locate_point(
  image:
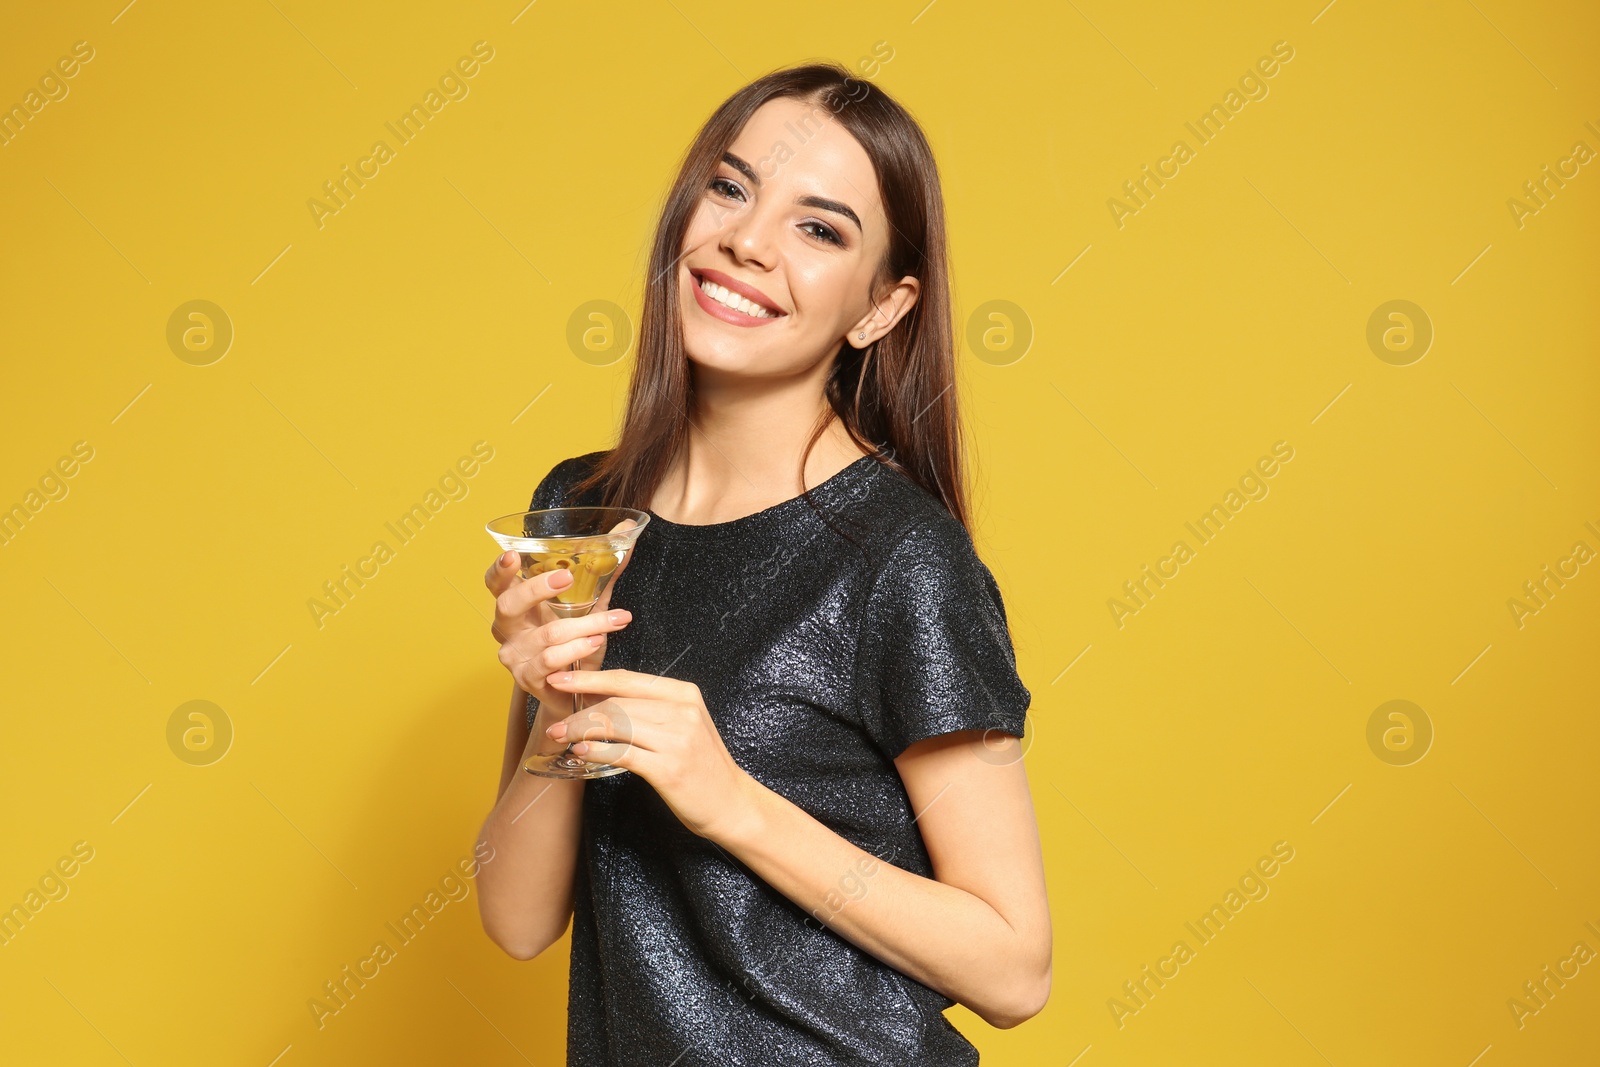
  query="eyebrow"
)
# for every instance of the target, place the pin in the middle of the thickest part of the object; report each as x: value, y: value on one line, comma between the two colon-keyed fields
x: 820, y: 202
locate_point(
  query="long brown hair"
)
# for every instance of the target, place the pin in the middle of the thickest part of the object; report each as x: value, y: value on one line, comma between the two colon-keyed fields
x: 896, y: 398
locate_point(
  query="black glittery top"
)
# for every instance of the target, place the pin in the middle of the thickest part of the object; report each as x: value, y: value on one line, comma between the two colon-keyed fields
x: 823, y: 648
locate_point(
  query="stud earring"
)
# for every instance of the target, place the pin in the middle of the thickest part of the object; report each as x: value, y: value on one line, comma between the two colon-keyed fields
x: 862, y: 336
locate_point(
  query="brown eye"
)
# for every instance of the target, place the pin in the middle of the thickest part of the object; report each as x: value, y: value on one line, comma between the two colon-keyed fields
x: 719, y: 184
x: 827, y: 233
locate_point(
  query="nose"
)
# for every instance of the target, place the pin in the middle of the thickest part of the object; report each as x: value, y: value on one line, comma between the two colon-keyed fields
x: 748, y: 236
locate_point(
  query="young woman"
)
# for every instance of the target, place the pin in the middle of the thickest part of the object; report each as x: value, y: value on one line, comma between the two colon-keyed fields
x: 827, y: 836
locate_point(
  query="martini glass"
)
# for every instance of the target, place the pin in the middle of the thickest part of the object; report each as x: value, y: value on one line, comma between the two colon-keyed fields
x: 590, y: 543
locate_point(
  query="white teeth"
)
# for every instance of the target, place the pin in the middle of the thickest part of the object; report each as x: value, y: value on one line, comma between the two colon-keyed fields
x: 733, y: 300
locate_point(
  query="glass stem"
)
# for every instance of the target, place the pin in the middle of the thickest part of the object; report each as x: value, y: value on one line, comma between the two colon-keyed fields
x: 577, y: 706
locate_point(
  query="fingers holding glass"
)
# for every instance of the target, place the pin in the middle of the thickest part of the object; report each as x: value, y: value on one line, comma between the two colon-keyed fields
x: 574, y: 556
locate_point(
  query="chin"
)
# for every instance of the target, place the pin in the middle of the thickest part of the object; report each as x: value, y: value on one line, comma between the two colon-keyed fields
x: 719, y: 355
x: 714, y: 347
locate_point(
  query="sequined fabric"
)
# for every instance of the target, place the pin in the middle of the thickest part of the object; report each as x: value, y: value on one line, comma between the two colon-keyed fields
x: 825, y: 639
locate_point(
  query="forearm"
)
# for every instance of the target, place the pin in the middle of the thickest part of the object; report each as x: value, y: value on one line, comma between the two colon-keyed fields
x: 945, y: 937
x: 517, y: 733
x: 525, y: 895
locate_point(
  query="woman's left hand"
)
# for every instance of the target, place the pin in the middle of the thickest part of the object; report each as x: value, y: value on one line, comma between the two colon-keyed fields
x: 664, y: 734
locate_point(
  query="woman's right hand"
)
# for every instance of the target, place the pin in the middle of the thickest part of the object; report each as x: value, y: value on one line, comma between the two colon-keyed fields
x: 535, y: 644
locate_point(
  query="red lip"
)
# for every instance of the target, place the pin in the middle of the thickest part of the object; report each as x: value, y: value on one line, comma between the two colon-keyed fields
x: 749, y: 292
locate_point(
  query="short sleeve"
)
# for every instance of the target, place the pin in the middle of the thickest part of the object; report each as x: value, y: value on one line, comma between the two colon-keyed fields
x: 935, y: 653
x: 554, y: 489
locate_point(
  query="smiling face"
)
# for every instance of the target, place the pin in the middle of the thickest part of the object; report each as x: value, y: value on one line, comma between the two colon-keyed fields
x: 781, y: 254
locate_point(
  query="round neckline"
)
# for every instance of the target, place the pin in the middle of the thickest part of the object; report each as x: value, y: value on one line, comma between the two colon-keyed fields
x: 819, y: 492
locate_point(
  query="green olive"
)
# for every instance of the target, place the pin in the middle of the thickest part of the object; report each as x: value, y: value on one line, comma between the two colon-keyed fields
x: 600, y: 563
x: 582, y: 590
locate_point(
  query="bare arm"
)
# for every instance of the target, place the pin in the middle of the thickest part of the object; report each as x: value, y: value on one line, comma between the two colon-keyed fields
x: 525, y: 895
x: 979, y: 930
x: 517, y: 734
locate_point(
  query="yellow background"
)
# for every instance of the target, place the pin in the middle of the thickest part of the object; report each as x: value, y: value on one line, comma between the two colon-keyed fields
x: 1229, y: 313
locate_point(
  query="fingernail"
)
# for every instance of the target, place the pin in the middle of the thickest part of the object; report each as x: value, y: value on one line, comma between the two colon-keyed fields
x: 580, y: 748
x: 507, y: 558
x: 558, y: 731
x: 560, y: 677
x: 621, y: 615
x: 596, y: 641
x: 561, y: 574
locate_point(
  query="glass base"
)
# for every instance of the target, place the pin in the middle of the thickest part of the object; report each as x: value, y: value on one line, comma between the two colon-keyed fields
x: 566, y: 765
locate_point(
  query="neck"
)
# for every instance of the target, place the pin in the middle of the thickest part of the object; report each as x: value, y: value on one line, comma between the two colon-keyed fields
x: 746, y: 438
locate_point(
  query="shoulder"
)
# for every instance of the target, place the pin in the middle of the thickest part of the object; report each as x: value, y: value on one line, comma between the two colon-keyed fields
x: 555, y: 489
x: 933, y: 652
x: 907, y: 518
x: 915, y: 543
